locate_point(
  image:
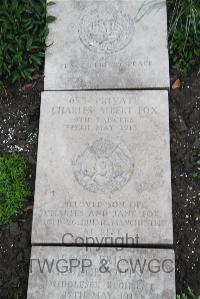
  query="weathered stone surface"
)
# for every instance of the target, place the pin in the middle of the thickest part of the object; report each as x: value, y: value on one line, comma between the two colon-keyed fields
x: 103, y: 168
x: 77, y: 273
x: 108, y: 44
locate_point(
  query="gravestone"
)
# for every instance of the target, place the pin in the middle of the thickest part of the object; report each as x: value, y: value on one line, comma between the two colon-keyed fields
x: 103, y: 168
x: 107, y: 45
x: 79, y: 273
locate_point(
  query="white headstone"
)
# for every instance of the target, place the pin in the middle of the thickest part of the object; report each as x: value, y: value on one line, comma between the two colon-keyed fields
x: 108, y: 44
x: 77, y: 273
x: 103, y: 169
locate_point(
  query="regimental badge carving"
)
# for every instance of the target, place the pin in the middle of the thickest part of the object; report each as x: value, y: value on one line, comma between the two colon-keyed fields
x: 103, y: 167
x: 103, y: 28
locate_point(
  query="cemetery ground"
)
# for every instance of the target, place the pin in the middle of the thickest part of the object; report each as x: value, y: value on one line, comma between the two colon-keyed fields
x: 20, y: 109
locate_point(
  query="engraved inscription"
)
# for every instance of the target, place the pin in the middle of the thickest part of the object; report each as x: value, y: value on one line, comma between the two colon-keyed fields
x: 103, y: 28
x: 104, y: 166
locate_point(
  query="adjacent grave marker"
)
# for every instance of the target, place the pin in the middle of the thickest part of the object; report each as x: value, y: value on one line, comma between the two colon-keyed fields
x: 77, y: 273
x: 107, y: 45
x: 103, y: 169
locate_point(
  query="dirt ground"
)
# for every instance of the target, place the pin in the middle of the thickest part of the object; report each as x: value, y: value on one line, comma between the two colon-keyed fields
x: 185, y: 152
x: 19, y: 118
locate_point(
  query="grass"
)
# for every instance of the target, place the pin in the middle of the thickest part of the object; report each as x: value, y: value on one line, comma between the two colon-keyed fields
x: 183, y: 30
x: 184, y: 33
x: 23, y: 30
x: 190, y: 295
x: 13, y: 189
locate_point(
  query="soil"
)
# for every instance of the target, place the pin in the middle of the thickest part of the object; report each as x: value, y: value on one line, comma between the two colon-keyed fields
x: 19, y: 119
x: 185, y: 152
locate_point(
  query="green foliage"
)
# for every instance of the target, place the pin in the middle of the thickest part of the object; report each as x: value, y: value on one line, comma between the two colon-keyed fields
x: 184, y: 30
x: 184, y: 33
x: 23, y: 30
x: 190, y: 295
x: 13, y: 190
x: 196, y: 168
